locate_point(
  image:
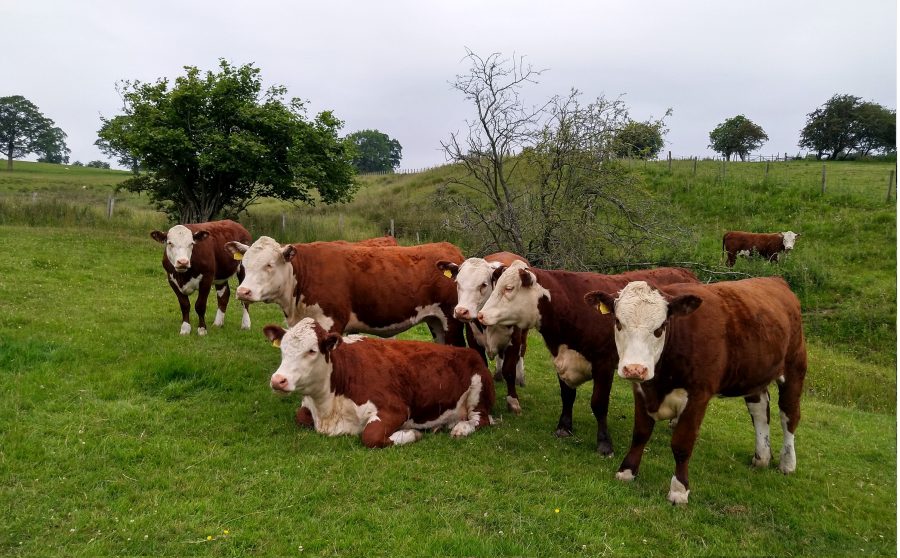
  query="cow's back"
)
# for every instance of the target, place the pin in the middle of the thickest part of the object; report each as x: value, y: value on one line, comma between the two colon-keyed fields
x: 505, y: 258
x: 210, y: 254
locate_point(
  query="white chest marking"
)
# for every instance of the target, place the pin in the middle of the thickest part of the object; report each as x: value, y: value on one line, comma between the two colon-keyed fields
x: 572, y: 367
x: 189, y: 287
x: 341, y: 415
x: 313, y: 311
x: 423, y: 313
x: 672, y: 405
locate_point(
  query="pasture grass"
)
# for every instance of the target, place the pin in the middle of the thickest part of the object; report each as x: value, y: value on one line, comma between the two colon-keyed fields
x: 120, y: 437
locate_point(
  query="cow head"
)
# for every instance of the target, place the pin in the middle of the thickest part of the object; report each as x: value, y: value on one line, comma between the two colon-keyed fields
x: 305, y: 357
x: 473, y: 285
x: 514, y: 301
x: 496, y: 337
x: 179, y: 242
x: 788, y: 239
x: 267, y: 269
x: 642, y: 314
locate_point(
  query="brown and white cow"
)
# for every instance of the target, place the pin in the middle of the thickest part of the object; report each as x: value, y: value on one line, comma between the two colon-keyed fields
x: 582, y: 346
x: 766, y: 245
x: 681, y: 345
x: 194, y: 260
x: 474, y: 284
x: 388, y: 391
x: 351, y: 288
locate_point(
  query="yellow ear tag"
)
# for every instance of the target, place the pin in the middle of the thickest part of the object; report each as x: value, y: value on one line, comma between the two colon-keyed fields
x: 276, y: 343
x: 603, y: 308
x: 448, y: 274
x: 238, y: 256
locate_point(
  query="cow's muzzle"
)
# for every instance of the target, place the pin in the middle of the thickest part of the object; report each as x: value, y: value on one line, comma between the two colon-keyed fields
x: 279, y: 383
x: 634, y: 372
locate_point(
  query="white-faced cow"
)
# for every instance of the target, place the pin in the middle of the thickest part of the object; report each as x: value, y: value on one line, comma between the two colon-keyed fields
x: 582, y: 347
x: 196, y: 259
x: 681, y: 345
x: 388, y: 391
x: 766, y: 245
x: 352, y: 288
x: 474, y: 284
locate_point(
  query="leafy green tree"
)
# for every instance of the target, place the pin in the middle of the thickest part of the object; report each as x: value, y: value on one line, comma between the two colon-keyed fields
x: 641, y: 140
x: 375, y: 151
x: 737, y: 136
x: 22, y: 128
x: 51, y: 146
x: 214, y: 143
x: 97, y: 165
x: 832, y: 128
x: 876, y: 129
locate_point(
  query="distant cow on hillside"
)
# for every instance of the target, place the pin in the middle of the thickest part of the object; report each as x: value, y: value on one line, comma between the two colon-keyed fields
x: 767, y: 245
x: 194, y: 260
x: 387, y: 391
x: 681, y: 345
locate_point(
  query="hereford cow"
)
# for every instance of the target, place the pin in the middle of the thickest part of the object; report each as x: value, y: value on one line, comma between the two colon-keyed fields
x: 681, y: 345
x: 767, y: 245
x: 194, y: 260
x: 582, y: 347
x: 474, y: 284
x: 388, y: 391
x: 351, y: 288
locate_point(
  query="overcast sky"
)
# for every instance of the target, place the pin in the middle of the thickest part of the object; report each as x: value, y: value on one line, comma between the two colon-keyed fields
x: 388, y: 65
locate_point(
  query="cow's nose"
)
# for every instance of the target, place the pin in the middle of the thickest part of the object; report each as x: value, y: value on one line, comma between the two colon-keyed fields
x: 243, y: 293
x: 183, y: 262
x: 461, y: 313
x: 480, y: 317
x: 634, y: 371
x: 279, y: 382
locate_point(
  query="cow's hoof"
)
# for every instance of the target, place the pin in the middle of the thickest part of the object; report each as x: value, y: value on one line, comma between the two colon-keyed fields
x: 185, y: 328
x: 605, y: 449
x: 625, y: 476
x: 462, y: 429
x: 201, y: 331
x: 759, y: 462
x: 513, y: 405
x: 678, y: 493
x: 498, y: 376
x: 562, y: 433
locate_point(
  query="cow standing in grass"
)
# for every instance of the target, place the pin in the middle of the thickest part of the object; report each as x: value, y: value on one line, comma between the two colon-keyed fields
x: 196, y: 259
x: 680, y: 345
x: 767, y: 245
x: 387, y: 391
x: 474, y: 280
x: 582, y: 346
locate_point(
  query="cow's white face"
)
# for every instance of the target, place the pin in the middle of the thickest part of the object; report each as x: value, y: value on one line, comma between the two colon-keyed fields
x: 788, y: 239
x: 514, y: 301
x: 268, y: 273
x: 473, y: 287
x: 305, y: 365
x: 179, y: 242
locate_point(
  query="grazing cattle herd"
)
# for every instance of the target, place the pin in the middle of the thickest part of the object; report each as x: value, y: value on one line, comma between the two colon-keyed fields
x: 676, y: 341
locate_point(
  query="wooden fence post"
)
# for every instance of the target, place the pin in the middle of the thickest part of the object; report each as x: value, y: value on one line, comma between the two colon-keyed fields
x: 890, y: 183
x: 823, y: 180
x: 767, y: 170
x: 283, y: 226
x: 392, y: 228
x: 695, y: 166
x: 110, y: 205
x: 670, y: 161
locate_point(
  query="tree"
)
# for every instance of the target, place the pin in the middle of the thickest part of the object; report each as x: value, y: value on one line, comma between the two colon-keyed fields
x: 641, y: 140
x: 876, y: 129
x: 213, y: 143
x: 375, y: 151
x: 540, y: 181
x: 97, y: 165
x: 23, y: 128
x: 51, y: 146
x: 832, y: 128
x: 738, y: 135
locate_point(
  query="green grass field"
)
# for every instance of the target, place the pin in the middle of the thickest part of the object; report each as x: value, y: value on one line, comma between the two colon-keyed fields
x: 120, y: 437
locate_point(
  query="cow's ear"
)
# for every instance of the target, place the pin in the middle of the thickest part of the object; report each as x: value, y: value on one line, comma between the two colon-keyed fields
x: 329, y: 343
x: 201, y: 235
x: 274, y: 333
x: 450, y: 269
x: 604, y: 302
x: 159, y: 236
x: 236, y: 248
x: 288, y: 252
x: 683, y: 305
x: 526, y: 277
x: 497, y: 273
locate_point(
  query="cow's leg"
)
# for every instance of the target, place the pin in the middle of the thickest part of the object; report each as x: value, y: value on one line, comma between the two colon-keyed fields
x: 185, y: 304
x: 304, y: 418
x: 245, y: 315
x: 386, y: 431
x: 683, y: 439
x: 200, y: 304
x: 508, y: 365
x: 600, y: 407
x: 567, y: 395
x: 455, y: 334
x: 732, y: 256
x: 790, y: 388
x: 758, y: 406
x: 640, y: 435
x: 520, y: 339
x: 223, y: 292
x: 476, y: 401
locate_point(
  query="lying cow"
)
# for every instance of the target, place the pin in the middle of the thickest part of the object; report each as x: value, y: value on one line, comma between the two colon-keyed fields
x: 474, y: 284
x: 681, y: 345
x: 387, y: 391
x: 766, y: 245
x: 353, y: 288
x: 194, y: 260
x: 582, y: 346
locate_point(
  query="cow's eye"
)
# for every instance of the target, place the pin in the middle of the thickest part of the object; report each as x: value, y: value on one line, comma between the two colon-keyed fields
x: 509, y: 288
x: 618, y: 324
x: 660, y: 330
x: 311, y: 351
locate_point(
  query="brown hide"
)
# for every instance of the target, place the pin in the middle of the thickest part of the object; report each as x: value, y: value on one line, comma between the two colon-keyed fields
x: 767, y: 245
x: 505, y: 258
x: 382, y: 286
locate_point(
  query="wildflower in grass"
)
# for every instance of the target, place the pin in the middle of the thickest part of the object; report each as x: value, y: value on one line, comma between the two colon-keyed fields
x: 556, y: 510
x: 209, y: 537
